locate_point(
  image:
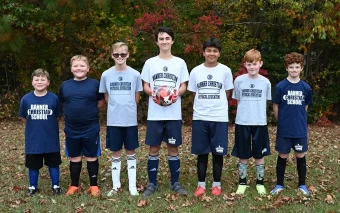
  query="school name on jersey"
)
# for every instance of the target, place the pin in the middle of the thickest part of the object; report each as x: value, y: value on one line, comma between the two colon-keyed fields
x: 294, y: 97
x: 39, y: 111
x: 209, y: 84
x: 257, y: 93
x: 164, y: 75
x: 120, y: 85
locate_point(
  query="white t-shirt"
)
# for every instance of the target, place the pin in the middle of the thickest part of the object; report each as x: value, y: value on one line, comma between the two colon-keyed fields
x: 252, y: 94
x: 159, y: 72
x: 121, y: 88
x: 210, y: 85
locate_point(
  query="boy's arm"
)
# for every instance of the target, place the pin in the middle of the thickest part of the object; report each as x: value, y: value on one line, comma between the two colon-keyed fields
x: 23, y: 119
x: 306, y: 108
x: 137, y: 97
x: 276, y: 110
x: 106, y: 98
x: 147, y: 88
x: 101, y: 103
x: 228, y: 93
x: 181, y: 90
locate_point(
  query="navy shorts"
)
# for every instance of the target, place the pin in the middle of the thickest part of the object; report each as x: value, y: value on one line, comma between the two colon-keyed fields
x: 209, y: 136
x: 116, y: 137
x: 251, y: 141
x: 36, y: 161
x: 284, y: 145
x: 88, y: 147
x: 169, y: 131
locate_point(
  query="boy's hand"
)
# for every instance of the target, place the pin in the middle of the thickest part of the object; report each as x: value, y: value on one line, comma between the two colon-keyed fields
x: 175, y: 96
x: 153, y: 95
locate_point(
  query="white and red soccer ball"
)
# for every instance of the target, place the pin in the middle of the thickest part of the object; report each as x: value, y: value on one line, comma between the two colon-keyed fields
x: 165, y: 95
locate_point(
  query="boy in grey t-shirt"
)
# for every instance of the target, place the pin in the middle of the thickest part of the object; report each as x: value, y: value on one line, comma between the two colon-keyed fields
x: 251, y: 91
x: 122, y: 85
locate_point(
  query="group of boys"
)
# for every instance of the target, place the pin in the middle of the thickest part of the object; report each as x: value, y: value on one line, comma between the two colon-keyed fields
x: 211, y: 84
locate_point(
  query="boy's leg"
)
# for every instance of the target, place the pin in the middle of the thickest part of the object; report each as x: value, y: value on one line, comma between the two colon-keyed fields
x: 301, y: 147
x: 33, y: 162
x: 74, y: 148
x: 260, y: 176
x: 53, y: 160
x: 217, y: 173
x: 131, y: 143
x: 202, y: 164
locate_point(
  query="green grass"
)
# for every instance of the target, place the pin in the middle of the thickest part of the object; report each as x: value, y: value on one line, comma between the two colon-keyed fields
x: 323, y: 161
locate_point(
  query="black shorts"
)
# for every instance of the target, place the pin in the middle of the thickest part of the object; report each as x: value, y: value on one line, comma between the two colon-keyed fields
x: 251, y: 141
x: 36, y: 161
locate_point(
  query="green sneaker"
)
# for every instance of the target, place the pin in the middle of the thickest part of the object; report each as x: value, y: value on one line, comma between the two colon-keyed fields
x: 241, y: 189
x: 260, y: 189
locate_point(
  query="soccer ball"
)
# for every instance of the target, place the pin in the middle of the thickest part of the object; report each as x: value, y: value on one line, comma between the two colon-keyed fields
x: 164, y: 95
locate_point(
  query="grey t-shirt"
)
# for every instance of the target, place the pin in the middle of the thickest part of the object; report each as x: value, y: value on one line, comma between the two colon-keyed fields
x: 252, y: 94
x: 121, y: 87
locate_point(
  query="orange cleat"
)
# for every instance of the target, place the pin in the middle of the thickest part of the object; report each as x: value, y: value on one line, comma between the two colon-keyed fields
x: 199, y: 191
x: 216, y: 191
x: 94, y: 190
x: 72, y: 190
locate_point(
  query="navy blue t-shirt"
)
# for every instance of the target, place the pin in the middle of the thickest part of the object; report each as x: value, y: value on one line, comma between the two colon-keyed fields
x: 292, y: 99
x: 41, y: 131
x: 80, y: 99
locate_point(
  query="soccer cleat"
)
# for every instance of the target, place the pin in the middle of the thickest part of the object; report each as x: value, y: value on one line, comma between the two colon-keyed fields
x: 304, y: 190
x: 150, y: 189
x: 94, y: 191
x: 241, y: 189
x: 260, y: 189
x: 72, y: 190
x: 178, y: 189
x: 216, y: 191
x: 277, y: 190
x: 32, y: 190
x: 133, y: 191
x: 56, y: 190
x: 199, y: 191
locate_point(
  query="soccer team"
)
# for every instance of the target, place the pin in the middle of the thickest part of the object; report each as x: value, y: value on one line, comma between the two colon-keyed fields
x: 211, y: 84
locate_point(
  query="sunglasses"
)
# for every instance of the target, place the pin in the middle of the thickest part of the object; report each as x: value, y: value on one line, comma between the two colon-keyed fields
x: 116, y: 55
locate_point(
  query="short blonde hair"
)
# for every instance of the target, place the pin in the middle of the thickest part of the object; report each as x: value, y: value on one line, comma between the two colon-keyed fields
x: 252, y: 55
x: 118, y: 45
x: 40, y: 73
x: 81, y: 58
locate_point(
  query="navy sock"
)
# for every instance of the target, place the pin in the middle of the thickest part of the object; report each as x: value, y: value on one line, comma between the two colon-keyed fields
x: 54, y: 175
x: 33, y: 176
x: 202, y: 164
x: 75, y: 169
x: 174, y: 165
x: 302, y: 170
x: 92, y: 169
x: 153, y: 163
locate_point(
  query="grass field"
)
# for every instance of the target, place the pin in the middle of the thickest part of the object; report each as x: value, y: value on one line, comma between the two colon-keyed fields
x: 323, y: 175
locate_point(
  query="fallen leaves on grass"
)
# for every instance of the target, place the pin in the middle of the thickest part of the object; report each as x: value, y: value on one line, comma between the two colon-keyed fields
x: 142, y: 203
x: 329, y: 199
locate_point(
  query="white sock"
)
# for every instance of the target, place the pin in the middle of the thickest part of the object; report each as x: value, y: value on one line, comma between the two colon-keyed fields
x: 216, y: 184
x: 201, y: 184
x: 115, y: 169
x: 132, y: 173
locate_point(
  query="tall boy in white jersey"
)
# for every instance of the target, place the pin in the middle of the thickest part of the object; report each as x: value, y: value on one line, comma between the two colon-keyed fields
x: 252, y: 91
x: 164, y: 122
x: 211, y: 84
x: 121, y: 86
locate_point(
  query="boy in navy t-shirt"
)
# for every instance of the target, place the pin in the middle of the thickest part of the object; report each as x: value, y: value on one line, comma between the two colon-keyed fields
x: 290, y: 104
x: 41, y: 110
x: 81, y: 100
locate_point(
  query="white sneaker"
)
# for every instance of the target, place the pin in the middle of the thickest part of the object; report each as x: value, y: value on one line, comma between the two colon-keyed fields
x: 113, y: 191
x: 133, y: 191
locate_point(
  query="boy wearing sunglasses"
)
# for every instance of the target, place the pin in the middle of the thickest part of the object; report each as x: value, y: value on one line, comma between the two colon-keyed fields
x: 121, y: 86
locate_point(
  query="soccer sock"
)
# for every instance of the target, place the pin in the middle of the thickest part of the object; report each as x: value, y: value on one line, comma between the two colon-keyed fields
x: 75, y: 169
x: 153, y: 163
x: 33, y: 176
x: 54, y: 175
x: 174, y: 165
x: 302, y: 170
x: 92, y: 169
x: 217, y: 167
x: 202, y: 184
x: 115, y: 170
x: 260, y: 174
x: 202, y: 164
x: 132, y: 168
x: 280, y: 170
x: 242, y: 171
x: 216, y: 184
